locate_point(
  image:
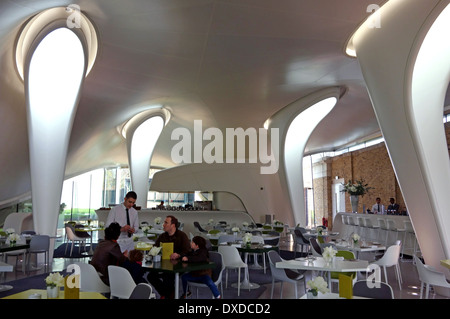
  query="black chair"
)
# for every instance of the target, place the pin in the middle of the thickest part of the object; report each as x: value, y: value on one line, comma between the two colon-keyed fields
x: 315, y: 247
x: 142, y: 291
x: 200, y: 228
x: 384, y: 291
x: 300, y: 240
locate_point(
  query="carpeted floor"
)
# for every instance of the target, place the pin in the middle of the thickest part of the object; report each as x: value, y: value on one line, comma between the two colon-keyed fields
x: 77, y: 252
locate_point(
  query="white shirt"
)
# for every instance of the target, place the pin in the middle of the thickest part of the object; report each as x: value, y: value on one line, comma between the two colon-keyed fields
x: 376, y: 211
x: 118, y: 214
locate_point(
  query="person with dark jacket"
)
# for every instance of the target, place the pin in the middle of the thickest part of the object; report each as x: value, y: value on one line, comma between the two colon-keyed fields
x: 108, y: 252
x: 199, y: 253
x: 134, y: 265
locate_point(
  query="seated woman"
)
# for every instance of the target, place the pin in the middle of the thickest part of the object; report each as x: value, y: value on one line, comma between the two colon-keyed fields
x: 199, y: 253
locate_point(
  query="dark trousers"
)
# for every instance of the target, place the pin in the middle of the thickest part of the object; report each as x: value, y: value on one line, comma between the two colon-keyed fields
x: 164, y: 283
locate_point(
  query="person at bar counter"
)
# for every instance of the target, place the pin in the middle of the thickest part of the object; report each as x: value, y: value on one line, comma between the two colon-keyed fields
x: 378, y: 208
x: 126, y: 215
x: 108, y: 252
x: 199, y: 253
x: 164, y: 283
x: 393, y: 208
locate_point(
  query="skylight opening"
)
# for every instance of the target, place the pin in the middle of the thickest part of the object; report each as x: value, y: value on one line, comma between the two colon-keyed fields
x: 55, y: 75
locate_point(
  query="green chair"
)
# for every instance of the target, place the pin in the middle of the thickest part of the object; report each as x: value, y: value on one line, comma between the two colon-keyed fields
x: 348, y: 255
x: 213, y: 241
x: 266, y: 229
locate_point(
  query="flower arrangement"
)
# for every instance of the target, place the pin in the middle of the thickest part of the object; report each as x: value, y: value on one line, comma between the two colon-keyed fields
x: 54, y: 279
x: 157, y: 220
x: 328, y: 253
x: 101, y: 224
x: 10, y: 231
x: 355, y: 238
x: 235, y: 229
x: 357, y: 188
x: 247, y: 239
x: 211, y: 221
x: 245, y: 224
x: 318, y: 284
x: 146, y: 229
x: 13, y: 238
x: 277, y: 223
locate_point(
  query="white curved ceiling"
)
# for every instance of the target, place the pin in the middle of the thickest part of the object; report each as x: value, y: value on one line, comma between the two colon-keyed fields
x: 230, y: 63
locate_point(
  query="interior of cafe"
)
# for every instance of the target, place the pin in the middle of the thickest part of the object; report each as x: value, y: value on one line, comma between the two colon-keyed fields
x: 311, y: 149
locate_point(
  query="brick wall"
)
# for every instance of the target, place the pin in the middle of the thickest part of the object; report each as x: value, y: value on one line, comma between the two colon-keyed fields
x: 371, y: 164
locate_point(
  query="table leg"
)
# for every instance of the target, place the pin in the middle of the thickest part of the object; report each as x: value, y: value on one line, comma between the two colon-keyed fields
x: 177, y: 285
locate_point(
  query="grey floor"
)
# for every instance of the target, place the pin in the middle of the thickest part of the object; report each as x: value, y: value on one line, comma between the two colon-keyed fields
x: 410, y: 287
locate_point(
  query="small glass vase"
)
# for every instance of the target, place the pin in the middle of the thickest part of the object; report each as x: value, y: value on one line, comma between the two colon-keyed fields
x: 12, y: 243
x: 310, y: 295
x: 52, y: 292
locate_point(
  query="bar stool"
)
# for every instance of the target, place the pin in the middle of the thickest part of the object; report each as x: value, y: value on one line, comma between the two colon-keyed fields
x: 353, y: 225
x: 382, y: 226
x: 370, y: 226
x: 345, y: 226
x: 361, y: 226
x: 391, y: 227
x: 409, y: 230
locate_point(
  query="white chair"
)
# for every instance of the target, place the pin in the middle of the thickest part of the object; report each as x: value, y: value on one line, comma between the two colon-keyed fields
x: 283, y: 275
x: 217, y: 272
x: 429, y: 276
x: 232, y: 260
x: 120, y: 282
x: 390, y: 258
x: 40, y: 244
x: 142, y: 291
x: 74, y: 238
x: 90, y: 279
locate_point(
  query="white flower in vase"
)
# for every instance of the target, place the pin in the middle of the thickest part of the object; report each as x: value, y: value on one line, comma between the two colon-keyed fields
x: 328, y: 254
x: 316, y: 285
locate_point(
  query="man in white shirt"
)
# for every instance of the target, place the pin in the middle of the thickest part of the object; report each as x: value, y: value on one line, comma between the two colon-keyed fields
x: 125, y: 215
x: 378, y: 208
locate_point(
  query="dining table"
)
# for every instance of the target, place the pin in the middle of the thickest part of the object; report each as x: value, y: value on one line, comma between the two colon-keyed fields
x: 176, y: 267
x: 89, y: 229
x: 252, y: 249
x: 312, y: 263
x: 4, y: 267
x: 42, y: 294
x: 361, y: 248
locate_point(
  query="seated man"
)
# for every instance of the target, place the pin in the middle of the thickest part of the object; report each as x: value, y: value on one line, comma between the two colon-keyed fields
x: 164, y: 283
x: 108, y: 252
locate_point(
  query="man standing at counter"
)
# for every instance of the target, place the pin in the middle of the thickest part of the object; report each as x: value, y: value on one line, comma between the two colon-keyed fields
x: 125, y: 215
x: 378, y: 208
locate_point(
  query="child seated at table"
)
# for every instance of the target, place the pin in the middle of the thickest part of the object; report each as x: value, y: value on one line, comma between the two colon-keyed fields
x: 199, y: 253
x: 134, y: 265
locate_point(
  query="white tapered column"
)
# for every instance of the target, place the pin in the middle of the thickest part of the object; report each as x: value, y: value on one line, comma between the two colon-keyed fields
x: 52, y: 85
x: 296, y: 122
x: 406, y: 67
